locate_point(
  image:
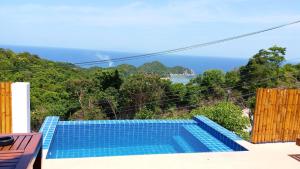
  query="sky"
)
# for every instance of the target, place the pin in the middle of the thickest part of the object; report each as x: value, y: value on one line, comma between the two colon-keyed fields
x: 152, y: 25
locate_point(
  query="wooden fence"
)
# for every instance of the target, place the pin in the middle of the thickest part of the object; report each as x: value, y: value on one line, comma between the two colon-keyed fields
x: 276, y: 115
x: 5, y: 108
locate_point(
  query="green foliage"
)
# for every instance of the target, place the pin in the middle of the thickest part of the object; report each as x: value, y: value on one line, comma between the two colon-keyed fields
x: 211, y: 84
x: 155, y: 68
x: 47, y: 79
x: 289, y: 76
x: 142, y: 91
x: 161, y: 70
x: 107, y: 78
x: 126, y: 92
x: 179, y: 93
x: 144, y: 114
x: 126, y: 70
x: 227, y: 115
x: 262, y: 70
x: 232, y: 78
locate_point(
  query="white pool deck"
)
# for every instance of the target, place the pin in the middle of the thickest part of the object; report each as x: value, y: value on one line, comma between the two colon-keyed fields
x: 259, y: 156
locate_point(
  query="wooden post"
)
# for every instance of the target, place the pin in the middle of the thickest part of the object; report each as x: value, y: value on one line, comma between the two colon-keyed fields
x: 5, y: 108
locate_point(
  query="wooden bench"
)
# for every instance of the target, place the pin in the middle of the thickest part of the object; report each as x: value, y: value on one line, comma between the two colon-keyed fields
x: 24, y: 153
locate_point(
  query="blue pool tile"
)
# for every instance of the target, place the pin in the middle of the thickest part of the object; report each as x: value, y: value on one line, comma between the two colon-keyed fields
x: 220, y: 133
x: 76, y: 139
x: 214, y: 126
x: 134, y: 122
x: 48, y: 130
x: 205, y: 139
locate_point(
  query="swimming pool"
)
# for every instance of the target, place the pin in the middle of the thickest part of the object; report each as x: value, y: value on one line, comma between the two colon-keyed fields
x: 77, y: 139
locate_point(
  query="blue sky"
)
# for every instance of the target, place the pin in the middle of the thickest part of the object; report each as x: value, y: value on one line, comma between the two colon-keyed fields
x: 149, y: 26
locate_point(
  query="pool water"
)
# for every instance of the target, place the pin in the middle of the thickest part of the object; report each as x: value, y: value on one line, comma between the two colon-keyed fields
x: 77, y: 139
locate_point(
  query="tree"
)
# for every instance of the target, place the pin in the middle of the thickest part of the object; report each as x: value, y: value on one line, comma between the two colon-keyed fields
x: 178, y: 94
x: 83, y: 93
x: 232, y: 78
x: 262, y: 70
x: 289, y: 76
x: 139, y: 91
x: 109, y: 101
x: 120, y: 92
x: 211, y: 84
x: 161, y: 70
x: 104, y: 79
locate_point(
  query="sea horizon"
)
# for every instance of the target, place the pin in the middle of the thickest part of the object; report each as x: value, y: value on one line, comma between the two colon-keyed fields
x: 197, y: 64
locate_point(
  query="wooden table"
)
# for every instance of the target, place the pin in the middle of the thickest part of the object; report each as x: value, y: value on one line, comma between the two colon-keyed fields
x: 25, y: 152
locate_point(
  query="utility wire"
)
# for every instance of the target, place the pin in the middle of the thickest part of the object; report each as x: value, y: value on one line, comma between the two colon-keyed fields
x: 193, y: 105
x: 75, y: 68
x: 187, y: 47
x: 169, y: 92
x: 224, y: 86
x: 178, y: 49
x: 189, y: 94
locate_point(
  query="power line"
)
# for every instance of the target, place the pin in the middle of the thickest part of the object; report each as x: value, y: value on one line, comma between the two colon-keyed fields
x: 226, y: 87
x: 178, y: 99
x: 187, y: 47
x: 76, y: 68
x: 193, y: 105
x: 169, y: 92
x: 189, y: 94
x: 177, y: 49
x: 181, y: 107
x: 130, y: 108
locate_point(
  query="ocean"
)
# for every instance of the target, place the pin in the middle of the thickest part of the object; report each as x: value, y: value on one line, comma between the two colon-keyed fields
x: 197, y: 63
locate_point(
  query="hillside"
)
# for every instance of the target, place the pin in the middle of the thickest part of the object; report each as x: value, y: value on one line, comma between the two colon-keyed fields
x: 54, y: 84
x: 128, y: 92
x: 155, y: 67
x: 160, y: 69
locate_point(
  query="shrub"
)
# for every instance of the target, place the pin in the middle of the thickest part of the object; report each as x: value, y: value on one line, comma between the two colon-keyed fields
x: 144, y: 114
x: 227, y: 115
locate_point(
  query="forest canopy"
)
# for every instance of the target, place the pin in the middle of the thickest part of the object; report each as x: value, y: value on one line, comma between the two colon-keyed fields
x: 128, y: 92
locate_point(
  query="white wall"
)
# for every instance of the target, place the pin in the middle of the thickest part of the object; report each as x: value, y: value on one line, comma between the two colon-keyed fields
x: 20, y: 107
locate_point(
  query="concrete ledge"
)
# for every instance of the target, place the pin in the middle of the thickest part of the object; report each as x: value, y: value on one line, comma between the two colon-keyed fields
x: 272, y: 155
